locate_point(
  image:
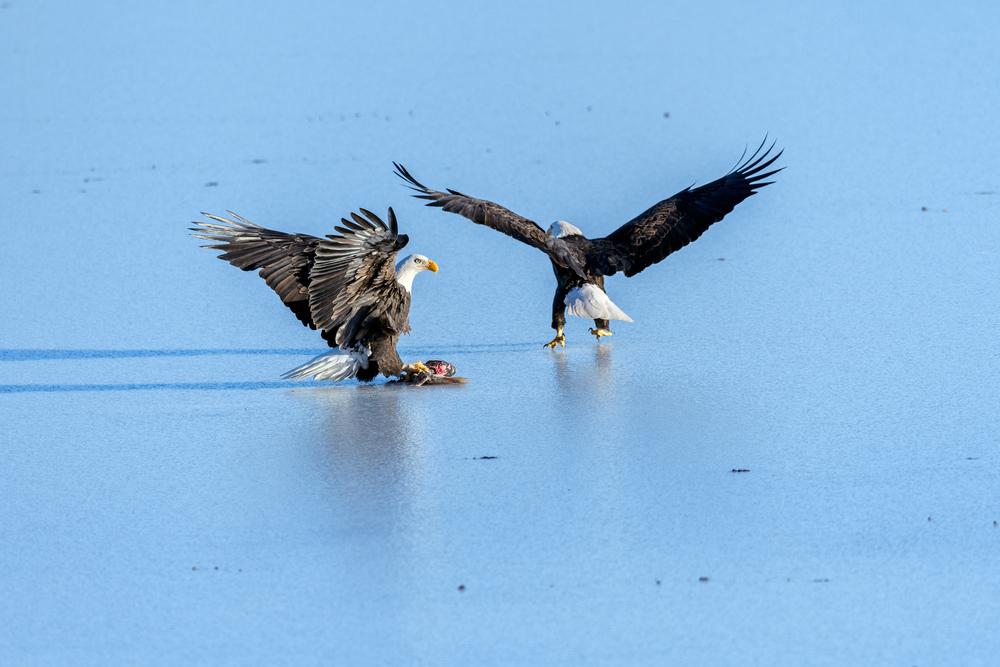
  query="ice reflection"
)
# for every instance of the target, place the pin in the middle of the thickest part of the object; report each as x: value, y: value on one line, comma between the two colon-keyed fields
x: 583, y: 375
x: 368, y: 438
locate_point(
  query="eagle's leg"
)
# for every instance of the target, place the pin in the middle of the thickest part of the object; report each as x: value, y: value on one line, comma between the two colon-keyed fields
x: 601, y: 329
x: 558, y: 318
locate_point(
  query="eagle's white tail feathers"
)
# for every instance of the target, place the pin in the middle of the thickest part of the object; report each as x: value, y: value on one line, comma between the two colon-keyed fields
x: 333, y: 366
x: 590, y: 302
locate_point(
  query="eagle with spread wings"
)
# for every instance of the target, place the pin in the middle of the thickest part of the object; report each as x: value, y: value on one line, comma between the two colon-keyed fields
x: 347, y: 285
x: 581, y: 264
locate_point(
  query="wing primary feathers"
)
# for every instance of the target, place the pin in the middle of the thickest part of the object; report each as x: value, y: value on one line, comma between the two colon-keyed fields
x: 672, y: 223
x: 283, y: 260
x: 483, y: 212
x: 362, y: 223
x: 757, y: 178
x: 241, y: 219
x: 754, y: 155
x: 374, y: 218
x: 753, y: 165
x: 392, y: 221
x: 739, y: 161
x: 408, y: 178
x: 412, y: 183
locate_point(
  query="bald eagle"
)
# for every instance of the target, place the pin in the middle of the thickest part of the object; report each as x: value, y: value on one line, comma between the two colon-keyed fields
x: 348, y: 285
x: 580, y: 264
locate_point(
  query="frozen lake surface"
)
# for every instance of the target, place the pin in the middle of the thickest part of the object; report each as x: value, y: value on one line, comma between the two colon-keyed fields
x: 166, y: 499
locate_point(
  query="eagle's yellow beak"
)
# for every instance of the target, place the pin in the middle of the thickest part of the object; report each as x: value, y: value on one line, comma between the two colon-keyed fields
x: 432, y: 265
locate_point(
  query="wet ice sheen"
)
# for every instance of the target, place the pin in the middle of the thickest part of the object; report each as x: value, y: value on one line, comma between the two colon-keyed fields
x: 168, y: 500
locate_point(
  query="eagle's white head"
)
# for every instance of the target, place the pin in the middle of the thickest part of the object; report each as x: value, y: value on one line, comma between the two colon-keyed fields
x: 408, y: 268
x: 561, y: 229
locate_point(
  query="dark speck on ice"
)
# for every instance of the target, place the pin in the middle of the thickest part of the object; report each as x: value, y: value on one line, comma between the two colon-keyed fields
x: 212, y: 184
x: 666, y: 114
x: 258, y: 160
x: 461, y: 588
x: 740, y: 470
x: 703, y: 580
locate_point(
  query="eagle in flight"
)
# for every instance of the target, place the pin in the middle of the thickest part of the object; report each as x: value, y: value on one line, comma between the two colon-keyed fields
x: 348, y: 285
x: 580, y: 263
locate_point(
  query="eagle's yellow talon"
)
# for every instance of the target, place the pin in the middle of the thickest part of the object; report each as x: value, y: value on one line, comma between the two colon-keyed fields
x: 560, y: 339
x: 416, y: 368
x: 600, y: 333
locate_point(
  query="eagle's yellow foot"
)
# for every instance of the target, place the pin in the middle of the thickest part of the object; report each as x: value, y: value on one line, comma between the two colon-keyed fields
x: 601, y: 333
x: 416, y: 368
x: 560, y: 339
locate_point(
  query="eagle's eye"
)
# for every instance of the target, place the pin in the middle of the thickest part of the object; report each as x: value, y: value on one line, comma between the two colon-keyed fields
x: 417, y: 260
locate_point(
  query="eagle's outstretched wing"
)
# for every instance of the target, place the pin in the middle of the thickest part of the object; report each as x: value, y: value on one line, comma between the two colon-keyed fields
x: 283, y: 260
x: 495, y: 216
x: 353, y: 290
x: 344, y: 284
x: 673, y: 223
x: 480, y: 211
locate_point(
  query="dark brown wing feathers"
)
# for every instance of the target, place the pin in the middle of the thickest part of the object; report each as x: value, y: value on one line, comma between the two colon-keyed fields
x: 480, y: 211
x: 282, y: 260
x: 673, y: 223
x: 344, y: 284
x: 354, y: 280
